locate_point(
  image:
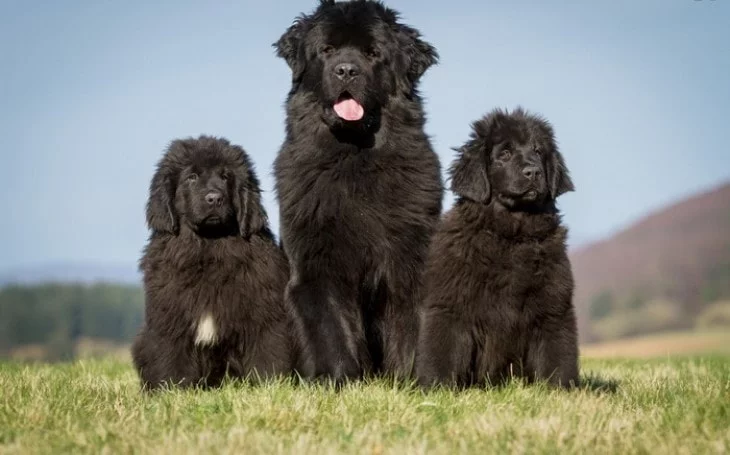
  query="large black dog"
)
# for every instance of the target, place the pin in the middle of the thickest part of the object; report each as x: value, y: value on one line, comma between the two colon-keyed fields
x: 359, y: 187
x: 214, y: 278
x: 499, y: 283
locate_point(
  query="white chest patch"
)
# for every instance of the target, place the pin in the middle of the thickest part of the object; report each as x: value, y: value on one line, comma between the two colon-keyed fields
x: 206, y: 333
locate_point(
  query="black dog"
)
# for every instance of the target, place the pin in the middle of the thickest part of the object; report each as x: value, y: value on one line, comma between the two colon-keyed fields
x: 359, y: 187
x: 499, y: 283
x: 214, y: 278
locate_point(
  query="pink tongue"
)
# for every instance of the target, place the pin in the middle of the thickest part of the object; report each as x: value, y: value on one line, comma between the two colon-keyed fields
x: 349, y: 110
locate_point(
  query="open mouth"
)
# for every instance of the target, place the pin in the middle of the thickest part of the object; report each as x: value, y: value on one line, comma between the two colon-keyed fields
x: 348, y: 109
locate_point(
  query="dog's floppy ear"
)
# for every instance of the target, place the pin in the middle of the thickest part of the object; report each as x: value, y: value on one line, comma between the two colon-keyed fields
x: 556, y: 172
x: 469, y: 172
x: 421, y: 55
x: 161, y: 213
x: 289, y: 47
x: 557, y: 175
x: 250, y: 212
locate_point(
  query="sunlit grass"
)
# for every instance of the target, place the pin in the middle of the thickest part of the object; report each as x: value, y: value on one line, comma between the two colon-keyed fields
x: 657, y: 406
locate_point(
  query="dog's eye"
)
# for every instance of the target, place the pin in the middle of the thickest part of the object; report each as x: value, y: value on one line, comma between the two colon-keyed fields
x: 192, y: 177
x: 224, y: 176
x: 538, y: 152
x: 372, y: 52
x: 326, y: 50
x: 505, y: 155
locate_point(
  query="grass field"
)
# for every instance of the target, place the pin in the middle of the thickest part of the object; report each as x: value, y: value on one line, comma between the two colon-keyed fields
x: 626, y: 406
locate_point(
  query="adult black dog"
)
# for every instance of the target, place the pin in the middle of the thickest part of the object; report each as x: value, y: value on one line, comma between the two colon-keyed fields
x: 359, y: 187
x: 214, y: 278
x: 499, y: 283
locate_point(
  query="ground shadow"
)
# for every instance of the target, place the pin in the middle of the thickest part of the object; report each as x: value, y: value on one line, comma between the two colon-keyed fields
x: 595, y: 383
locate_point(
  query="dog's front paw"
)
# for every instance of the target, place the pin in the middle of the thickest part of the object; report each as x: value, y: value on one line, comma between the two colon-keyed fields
x: 339, y: 372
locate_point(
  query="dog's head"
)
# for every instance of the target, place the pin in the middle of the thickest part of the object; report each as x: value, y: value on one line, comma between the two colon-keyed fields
x: 208, y: 185
x: 353, y: 56
x: 513, y: 159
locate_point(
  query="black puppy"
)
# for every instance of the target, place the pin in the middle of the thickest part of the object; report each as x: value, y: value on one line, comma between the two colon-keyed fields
x: 359, y: 187
x: 213, y: 276
x: 499, y: 283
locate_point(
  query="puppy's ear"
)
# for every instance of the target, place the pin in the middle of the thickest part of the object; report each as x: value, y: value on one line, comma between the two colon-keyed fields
x: 289, y: 47
x: 250, y: 212
x: 557, y: 175
x: 469, y: 172
x: 161, y: 213
x: 420, y: 54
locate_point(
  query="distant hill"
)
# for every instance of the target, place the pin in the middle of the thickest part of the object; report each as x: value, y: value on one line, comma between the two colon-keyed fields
x: 657, y: 274
x: 72, y: 272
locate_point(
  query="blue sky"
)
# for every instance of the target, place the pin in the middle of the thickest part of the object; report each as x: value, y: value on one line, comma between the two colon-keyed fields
x: 91, y: 92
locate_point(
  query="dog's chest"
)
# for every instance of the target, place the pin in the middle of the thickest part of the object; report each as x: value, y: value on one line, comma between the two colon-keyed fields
x: 361, y: 195
x: 215, y: 301
x: 206, y: 330
x: 217, y: 308
x: 515, y: 277
x: 367, y: 176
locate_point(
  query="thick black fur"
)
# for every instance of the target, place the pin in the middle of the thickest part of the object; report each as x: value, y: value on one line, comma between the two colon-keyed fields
x: 210, y: 252
x: 359, y: 200
x: 499, y: 284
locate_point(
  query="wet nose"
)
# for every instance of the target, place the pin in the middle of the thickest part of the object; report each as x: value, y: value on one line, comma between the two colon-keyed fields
x: 214, y: 198
x: 346, y: 71
x: 531, y: 172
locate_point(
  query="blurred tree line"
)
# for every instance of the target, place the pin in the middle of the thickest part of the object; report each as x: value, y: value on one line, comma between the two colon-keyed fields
x: 58, y: 316
x: 55, y: 319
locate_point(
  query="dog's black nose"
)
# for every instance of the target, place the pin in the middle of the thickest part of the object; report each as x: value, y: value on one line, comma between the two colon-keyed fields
x: 531, y: 172
x: 346, y: 71
x: 214, y: 198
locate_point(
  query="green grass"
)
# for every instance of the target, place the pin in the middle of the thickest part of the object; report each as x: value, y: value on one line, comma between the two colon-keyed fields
x: 628, y: 406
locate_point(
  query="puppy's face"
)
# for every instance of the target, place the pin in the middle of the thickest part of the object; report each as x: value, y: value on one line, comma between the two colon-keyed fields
x: 516, y: 172
x: 203, y: 198
x: 353, y: 56
x: 207, y: 185
x: 511, y: 158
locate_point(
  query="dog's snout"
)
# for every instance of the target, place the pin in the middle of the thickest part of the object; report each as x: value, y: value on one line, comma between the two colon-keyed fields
x: 531, y: 172
x: 214, y: 198
x: 346, y: 71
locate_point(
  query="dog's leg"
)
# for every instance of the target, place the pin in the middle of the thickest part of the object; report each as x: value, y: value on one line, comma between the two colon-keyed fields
x: 399, y: 332
x: 330, y: 329
x: 552, y: 354
x: 161, y: 363
x: 272, y: 353
x: 445, y: 348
